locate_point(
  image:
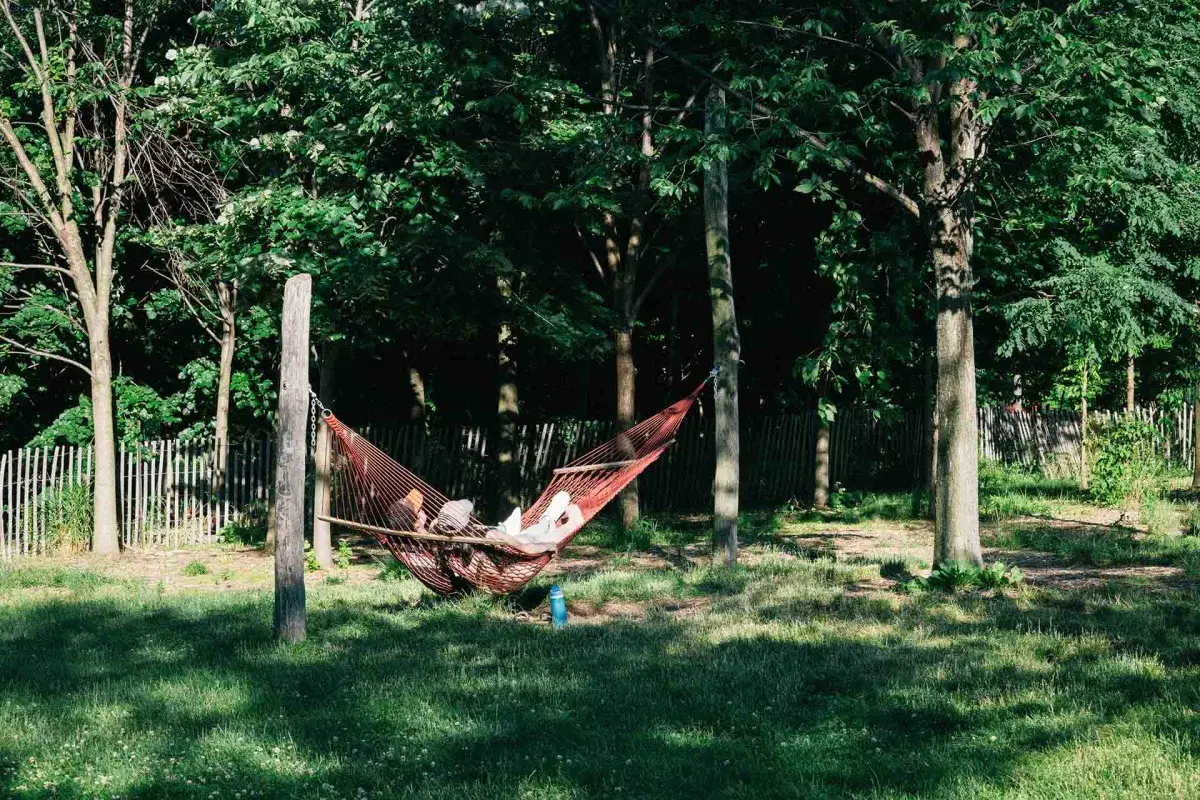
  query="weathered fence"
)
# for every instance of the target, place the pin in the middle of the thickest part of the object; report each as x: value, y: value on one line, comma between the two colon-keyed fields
x: 171, y: 493
x: 1048, y: 441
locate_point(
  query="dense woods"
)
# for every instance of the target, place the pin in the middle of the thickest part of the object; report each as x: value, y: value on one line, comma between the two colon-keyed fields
x: 572, y: 209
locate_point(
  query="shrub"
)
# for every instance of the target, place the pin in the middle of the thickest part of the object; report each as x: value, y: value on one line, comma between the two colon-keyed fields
x: 953, y: 577
x: 195, y: 568
x: 393, y: 571
x: 1191, y: 520
x: 310, y: 559
x: 1128, y: 467
x: 344, y: 554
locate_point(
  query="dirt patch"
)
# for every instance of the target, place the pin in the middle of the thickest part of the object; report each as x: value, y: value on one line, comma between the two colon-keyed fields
x: 1045, y: 571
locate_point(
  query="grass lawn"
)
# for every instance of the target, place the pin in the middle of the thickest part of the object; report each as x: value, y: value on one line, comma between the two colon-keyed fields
x: 802, y: 674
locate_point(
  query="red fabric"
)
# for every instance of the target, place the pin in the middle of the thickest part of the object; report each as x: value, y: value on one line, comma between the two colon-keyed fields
x: 371, y: 488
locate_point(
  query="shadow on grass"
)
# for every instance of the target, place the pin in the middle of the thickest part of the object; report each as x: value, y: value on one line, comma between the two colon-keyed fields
x: 186, y: 696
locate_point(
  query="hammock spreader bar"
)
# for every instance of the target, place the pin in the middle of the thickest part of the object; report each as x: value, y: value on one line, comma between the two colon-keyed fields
x: 449, y: 549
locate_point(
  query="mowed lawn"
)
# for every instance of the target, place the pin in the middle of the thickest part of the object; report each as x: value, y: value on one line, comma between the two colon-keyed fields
x: 796, y: 675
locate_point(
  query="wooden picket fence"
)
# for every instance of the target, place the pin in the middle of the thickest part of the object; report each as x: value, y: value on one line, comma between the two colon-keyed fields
x: 171, y: 494
x: 1048, y: 441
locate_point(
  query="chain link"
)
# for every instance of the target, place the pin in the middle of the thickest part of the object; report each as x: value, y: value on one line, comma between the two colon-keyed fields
x: 313, y: 419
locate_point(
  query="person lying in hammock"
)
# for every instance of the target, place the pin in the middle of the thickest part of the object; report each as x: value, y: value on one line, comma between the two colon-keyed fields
x: 560, y: 518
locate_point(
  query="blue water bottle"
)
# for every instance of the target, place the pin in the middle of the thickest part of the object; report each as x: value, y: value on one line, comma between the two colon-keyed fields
x: 558, y: 607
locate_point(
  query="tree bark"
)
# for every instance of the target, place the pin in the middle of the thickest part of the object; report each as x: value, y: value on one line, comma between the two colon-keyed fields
x: 726, y: 342
x: 1083, y: 423
x: 508, y: 489
x: 106, y: 536
x: 290, y: 468
x: 626, y: 416
x: 322, y: 537
x: 821, y: 465
x: 227, y: 307
x: 1130, y: 400
x: 949, y: 216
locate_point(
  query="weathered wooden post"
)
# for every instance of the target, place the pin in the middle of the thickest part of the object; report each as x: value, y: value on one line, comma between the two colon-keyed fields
x: 289, y: 472
x: 322, y: 542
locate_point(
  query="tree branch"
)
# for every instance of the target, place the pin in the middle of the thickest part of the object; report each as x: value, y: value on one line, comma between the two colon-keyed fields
x: 31, y: 351
x: 16, y: 267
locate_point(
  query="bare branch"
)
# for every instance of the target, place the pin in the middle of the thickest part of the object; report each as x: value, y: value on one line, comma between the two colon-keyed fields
x: 26, y: 267
x: 31, y: 351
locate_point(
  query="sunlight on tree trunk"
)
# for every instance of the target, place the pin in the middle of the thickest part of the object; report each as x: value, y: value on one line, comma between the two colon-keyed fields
x: 625, y: 419
x: 726, y: 342
x: 821, y: 477
x: 508, y: 489
x: 227, y: 306
x: 931, y: 432
x: 1130, y: 399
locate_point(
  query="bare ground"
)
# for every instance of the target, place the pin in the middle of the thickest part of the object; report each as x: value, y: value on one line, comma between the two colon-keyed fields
x: 233, y: 567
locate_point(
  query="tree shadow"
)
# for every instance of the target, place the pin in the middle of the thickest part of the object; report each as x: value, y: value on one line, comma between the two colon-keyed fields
x: 444, y: 699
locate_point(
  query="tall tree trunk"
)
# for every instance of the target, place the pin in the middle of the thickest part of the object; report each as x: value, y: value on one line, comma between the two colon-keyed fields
x: 508, y: 490
x: 227, y: 305
x: 673, y: 377
x: 1130, y: 400
x: 626, y: 416
x: 949, y: 216
x: 1083, y: 424
x: 726, y: 342
x: 821, y: 470
x: 106, y: 535
x: 416, y: 383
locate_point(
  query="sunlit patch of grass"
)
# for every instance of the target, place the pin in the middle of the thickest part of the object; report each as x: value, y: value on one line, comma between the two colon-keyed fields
x: 1102, y: 546
x: 28, y: 577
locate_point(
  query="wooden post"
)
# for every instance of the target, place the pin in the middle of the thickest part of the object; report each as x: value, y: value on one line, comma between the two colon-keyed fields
x: 289, y: 473
x: 726, y: 344
x: 322, y: 544
x: 1083, y: 423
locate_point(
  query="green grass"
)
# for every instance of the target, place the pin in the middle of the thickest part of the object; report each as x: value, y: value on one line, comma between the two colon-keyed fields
x: 780, y: 684
x: 1103, y: 546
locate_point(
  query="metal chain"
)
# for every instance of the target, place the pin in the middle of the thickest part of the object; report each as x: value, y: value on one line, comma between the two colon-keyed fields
x: 313, y: 419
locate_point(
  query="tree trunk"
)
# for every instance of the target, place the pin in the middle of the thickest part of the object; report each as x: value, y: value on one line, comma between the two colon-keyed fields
x: 726, y: 342
x: 673, y: 377
x: 508, y: 489
x: 1083, y: 422
x: 290, y: 468
x: 821, y: 465
x: 416, y: 410
x: 227, y: 304
x: 626, y: 374
x: 106, y: 533
x: 931, y: 432
x: 1129, y: 384
x: 957, y: 522
x: 322, y: 538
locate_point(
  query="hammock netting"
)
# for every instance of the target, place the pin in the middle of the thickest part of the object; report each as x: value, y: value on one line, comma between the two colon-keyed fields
x: 448, y: 548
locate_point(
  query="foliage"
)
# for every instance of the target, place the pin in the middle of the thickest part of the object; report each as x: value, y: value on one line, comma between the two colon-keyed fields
x: 195, y: 568
x: 1128, y: 467
x: 69, y: 513
x: 141, y: 414
x: 955, y: 577
x: 344, y: 554
x: 310, y: 559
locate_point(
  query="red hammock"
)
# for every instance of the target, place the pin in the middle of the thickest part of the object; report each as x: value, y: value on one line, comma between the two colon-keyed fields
x: 371, y: 492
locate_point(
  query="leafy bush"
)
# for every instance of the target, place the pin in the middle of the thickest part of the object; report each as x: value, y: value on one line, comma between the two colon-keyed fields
x: 195, y: 568
x: 954, y: 577
x: 393, y: 570
x: 1191, y: 520
x: 310, y: 559
x: 344, y: 554
x: 240, y: 533
x: 1128, y: 467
